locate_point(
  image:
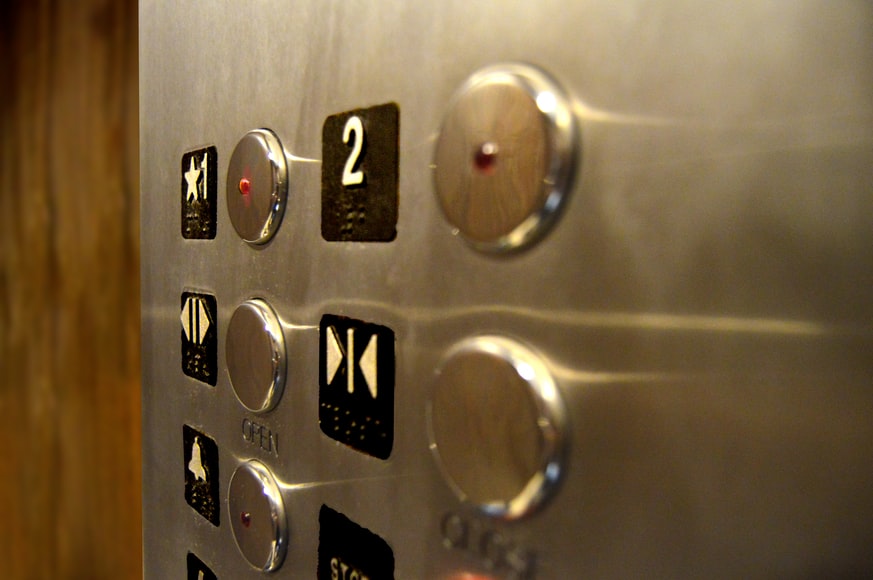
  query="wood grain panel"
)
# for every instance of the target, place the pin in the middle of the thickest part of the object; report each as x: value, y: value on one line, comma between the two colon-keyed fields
x: 69, y: 291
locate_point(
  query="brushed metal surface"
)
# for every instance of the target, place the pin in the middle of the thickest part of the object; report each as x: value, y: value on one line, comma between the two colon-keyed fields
x: 704, y: 303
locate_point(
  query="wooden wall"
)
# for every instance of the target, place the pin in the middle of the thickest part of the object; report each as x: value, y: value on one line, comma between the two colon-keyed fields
x: 69, y: 290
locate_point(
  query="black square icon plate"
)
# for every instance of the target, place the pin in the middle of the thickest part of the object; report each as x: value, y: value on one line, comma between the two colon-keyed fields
x: 201, y: 473
x: 346, y: 550
x: 356, y: 384
x: 199, y: 318
x: 197, y: 570
x: 199, y: 191
x: 359, y: 175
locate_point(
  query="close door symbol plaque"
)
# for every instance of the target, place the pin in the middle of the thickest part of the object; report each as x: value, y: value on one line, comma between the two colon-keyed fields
x: 356, y: 384
x: 199, y: 313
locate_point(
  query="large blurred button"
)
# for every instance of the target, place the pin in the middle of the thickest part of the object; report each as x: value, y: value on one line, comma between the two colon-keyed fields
x: 257, y: 186
x: 506, y: 156
x: 256, y: 355
x: 497, y: 426
x: 258, y: 516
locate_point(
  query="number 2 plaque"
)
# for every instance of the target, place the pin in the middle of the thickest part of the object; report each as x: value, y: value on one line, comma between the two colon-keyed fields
x: 360, y: 155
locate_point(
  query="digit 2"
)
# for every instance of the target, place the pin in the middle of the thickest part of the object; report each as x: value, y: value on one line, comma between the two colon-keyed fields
x: 352, y: 174
x: 359, y: 174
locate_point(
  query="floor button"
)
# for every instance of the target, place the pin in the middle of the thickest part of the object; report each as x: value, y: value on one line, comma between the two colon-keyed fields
x: 497, y: 425
x: 256, y: 357
x: 257, y: 186
x: 257, y: 515
x: 506, y: 156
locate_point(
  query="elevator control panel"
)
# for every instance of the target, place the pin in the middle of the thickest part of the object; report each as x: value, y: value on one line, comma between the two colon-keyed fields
x: 506, y: 290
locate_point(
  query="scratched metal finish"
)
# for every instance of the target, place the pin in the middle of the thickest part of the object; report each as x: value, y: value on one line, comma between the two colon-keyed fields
x: 704, y: 302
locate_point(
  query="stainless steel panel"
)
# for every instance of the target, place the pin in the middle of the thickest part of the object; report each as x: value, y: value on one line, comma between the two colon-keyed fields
x: 703, y: 303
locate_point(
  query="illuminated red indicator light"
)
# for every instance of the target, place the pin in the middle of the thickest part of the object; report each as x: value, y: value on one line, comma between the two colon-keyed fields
x: 245, y: 186
x: 246, y: 519
x: 485, y: 158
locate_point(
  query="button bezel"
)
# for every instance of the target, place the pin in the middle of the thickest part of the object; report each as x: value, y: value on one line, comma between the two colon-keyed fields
x: 254, y: 472
x: 271, y: 148
x: 563, y: 146
x: 551, y: 421
x: 246, y: 392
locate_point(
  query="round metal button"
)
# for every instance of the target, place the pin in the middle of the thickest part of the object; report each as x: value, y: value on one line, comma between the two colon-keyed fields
x: 505, y: 157
x: 257, y: 515
x: 255, y: 355
x: 497, y: 426
x: 257, y: 186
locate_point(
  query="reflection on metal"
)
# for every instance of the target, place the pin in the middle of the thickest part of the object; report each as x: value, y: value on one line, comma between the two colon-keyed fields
x: 580, y: 319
